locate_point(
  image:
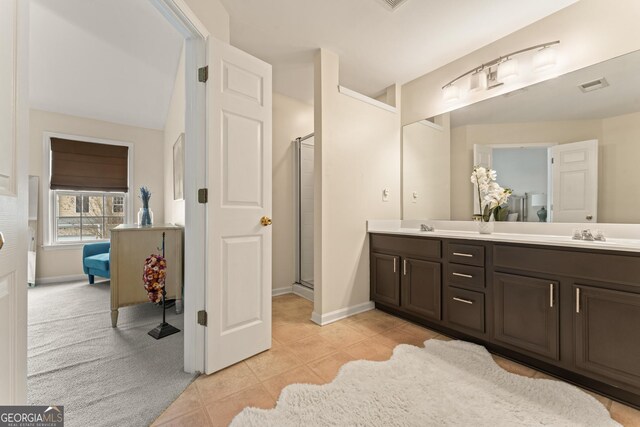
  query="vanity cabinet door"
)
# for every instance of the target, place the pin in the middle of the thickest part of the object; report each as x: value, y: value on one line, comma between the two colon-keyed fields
x: 421, y: 287
x: 607, y: 334
x: 526, y: 313
x: 385, y: 279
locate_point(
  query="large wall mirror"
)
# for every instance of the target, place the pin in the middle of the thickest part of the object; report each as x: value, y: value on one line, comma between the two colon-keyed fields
x: 569, y: 148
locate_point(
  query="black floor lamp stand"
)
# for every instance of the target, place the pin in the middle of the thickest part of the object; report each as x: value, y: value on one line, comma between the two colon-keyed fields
x: 163, y: 329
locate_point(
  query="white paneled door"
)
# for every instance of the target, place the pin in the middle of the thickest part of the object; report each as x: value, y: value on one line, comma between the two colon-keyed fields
x: 13, y: 202
x: 574, y: 189
x: 238, y: 292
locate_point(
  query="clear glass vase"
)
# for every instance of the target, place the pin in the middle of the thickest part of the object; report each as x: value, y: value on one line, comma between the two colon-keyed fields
x: 485, y: 227
x: 145, y: 217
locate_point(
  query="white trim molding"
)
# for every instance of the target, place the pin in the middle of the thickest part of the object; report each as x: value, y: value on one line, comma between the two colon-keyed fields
x: 364, y: 98
x: 281, y: 291
x: 62, y: 279
x: 303, y: 291
x: 334, y: 316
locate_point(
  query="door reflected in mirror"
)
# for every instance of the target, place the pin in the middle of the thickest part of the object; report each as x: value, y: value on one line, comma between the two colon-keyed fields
x: 568, y: 149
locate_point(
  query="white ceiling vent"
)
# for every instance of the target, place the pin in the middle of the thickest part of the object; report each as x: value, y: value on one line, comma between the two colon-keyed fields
x: 392, y: 4
x: 594, y: 85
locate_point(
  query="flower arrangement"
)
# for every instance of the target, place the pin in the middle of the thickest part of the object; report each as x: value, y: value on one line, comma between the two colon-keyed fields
x: 490, y: 195
x: 155, y: 271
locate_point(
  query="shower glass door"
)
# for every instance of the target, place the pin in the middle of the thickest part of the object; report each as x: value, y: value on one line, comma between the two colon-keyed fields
x: 305, y: 187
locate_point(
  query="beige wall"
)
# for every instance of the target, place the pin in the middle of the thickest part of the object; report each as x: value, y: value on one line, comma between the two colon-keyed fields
x: 213, y: 16
x: 148, y: 170
x: 291, y: 119
x: 426, y: 156
x: 618, y: 197
x: 357, y: 155
x: 618, y: 191
x: 590, y: 31
x: 174, y: 126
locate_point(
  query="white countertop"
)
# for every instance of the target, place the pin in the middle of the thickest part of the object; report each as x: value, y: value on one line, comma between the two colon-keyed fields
x: 467, y: 230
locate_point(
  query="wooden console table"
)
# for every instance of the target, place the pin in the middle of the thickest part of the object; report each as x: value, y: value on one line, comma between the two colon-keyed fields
x: 130, y: 247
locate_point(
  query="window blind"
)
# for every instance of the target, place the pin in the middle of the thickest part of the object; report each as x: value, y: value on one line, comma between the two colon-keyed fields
x: 86, y: 166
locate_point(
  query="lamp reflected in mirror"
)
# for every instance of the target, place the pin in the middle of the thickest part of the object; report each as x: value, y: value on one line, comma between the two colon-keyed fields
x: 540, y: 200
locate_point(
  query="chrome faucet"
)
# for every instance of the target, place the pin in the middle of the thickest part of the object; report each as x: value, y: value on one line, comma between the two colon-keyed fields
x: 587, y: 235
x: 425, y: 227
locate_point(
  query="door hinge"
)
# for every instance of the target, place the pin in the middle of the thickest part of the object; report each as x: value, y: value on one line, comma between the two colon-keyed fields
x: 203, y: 74
x: 202, y: 318
x: 203, y: 195
x: 552, y: 160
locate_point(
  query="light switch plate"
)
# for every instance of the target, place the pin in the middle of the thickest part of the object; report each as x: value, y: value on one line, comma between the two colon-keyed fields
x: 385, y: 195
x: 414, y: 197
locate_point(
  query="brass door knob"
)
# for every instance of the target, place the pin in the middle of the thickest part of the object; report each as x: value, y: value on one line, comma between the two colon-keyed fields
x: 265, y: 221
x: 1, y: 240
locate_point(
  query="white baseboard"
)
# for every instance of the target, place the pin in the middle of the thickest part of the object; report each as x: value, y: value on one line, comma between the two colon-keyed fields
x: 281, y: 291
x: 303, y: 291
x: 61, y: 279
x: 334, y: 316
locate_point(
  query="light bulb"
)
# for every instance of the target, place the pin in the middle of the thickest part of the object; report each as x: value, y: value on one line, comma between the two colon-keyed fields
x: 544, y: 59
x: 478, y: 81
x: 451, y: 93
x: 508, y: 69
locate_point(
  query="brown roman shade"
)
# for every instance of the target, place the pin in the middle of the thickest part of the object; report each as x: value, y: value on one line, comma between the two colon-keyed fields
x: 86, y: 166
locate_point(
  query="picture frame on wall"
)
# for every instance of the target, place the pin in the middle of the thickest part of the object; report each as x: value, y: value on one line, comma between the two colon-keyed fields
x: 178, y: 168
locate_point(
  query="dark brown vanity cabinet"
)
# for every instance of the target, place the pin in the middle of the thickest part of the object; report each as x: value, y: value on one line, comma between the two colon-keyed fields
x: 526, y: 313
x: 572, y: 312
x: 421, y: 284
x: 385, y: 279
x: 607, y: 334
x: 401, y: 280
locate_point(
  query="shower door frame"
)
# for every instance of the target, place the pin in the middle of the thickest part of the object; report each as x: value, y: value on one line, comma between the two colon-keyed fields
x: 297, y: 215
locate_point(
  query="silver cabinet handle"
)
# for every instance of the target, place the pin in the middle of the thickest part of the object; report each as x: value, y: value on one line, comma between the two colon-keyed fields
x: 551, y: 295
x: 1, y: 240
x: 462, y: 254
x: 404, y: 266
x: 577, y: 300
x: 468, y: 276
x: 395, y: 264
x: 466, y: 301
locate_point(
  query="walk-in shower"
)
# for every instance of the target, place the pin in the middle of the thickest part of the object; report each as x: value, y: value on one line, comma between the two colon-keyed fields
x: 304, y: 194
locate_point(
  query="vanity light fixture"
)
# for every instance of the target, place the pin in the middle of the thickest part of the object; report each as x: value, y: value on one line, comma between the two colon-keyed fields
x: 451, y: 93
x: 494, y: 73
x: 508, y: 69
x: 544, y: 59
x: 478, y: 81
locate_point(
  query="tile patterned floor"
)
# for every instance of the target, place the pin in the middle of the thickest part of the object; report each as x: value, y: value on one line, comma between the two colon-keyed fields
x: 304, y: 352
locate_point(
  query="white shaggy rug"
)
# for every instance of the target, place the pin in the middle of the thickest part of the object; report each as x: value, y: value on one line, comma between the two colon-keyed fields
x: 452, y: 383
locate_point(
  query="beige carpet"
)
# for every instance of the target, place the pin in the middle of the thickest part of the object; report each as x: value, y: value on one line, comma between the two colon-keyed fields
x: 103, y: 376
x: 451, y: 383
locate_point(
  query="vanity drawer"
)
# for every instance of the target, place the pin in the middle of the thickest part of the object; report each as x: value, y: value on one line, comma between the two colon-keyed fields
x: 418, y: 247
x: 466, y: 276
x: 466, y: 309
x: 466, y: 254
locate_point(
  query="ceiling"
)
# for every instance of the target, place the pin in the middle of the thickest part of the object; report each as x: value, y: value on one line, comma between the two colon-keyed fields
x: 112, y: 60
x: 377, y: 47
x: 561, y: 99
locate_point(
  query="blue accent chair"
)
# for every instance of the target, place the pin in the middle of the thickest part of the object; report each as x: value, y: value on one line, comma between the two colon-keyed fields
x: 95, y: 260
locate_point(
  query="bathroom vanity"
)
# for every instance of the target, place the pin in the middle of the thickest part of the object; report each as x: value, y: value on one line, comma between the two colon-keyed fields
x: 569, y: 308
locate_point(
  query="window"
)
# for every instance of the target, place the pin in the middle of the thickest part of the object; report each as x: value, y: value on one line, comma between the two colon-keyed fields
x: 89, y: 188
x: 118, y: 205
x: 82, y: 204
x: 86, y: 216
